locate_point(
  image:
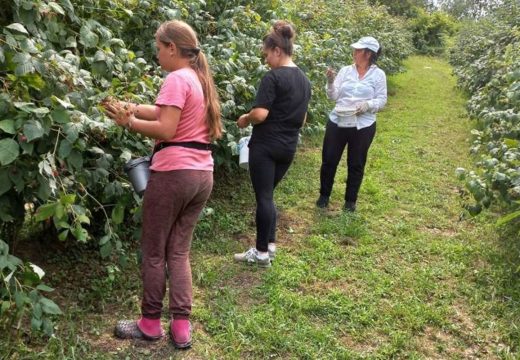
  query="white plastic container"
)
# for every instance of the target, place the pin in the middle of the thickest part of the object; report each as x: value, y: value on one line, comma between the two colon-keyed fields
x: 138, y: 170
x: 346, y: 116
x: 243, y: 151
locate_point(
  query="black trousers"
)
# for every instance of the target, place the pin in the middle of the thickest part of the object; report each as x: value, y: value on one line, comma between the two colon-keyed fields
x: 267, y: 166
x: 357, y: 142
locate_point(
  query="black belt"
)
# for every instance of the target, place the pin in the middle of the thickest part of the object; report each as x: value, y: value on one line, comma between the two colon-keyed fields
x: 187, y: 144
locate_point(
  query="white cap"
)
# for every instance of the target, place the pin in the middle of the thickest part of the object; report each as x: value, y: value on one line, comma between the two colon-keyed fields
x: 366, y: 42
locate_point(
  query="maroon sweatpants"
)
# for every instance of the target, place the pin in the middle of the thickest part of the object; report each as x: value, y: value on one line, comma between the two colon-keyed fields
x: 173, y: 201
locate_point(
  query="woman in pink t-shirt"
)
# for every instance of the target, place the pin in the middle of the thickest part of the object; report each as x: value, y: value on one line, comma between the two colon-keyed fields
x: 184, y: 120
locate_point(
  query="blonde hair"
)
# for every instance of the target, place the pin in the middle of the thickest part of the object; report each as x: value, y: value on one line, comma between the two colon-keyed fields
x: 185, y: 39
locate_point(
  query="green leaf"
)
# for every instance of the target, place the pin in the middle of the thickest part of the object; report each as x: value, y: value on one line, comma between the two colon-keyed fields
x: 45, y: 211
x: 511, y: 143
x: 5, y: 183
x: 9, y: 151
x: 24, y: 68
x: 19, y: 299
x: 59, y: 212
x: 24, y: 106
x: 41, y: 111
x: 75, y: 159
x: 60, y: 116
x: 27, y: 147
x: 57, y: 8
x: 84, y: 219
x: 27, y: 45
x: 68, y: 199
x: 43, y: 287
x: 33, y: 129
x: 48, y: 329
x: 118, y: 214
x: 99, y: 68
x: 25, y: 65
x: 35, y: 81
x: 14, y: 261
x: 37, y: 310
x: 64, y: 149
x: 62, y: 236
x: 71, y: 42
x: 104, y: 240
x: 44, y: 190
x: 39, y: 66
x: 5, y: 305
x: 62, y: 224
x: 78, y: 209
x: 507, y: 218
x: 7, y: 126
x: 87, y: 37
x: 16, y: 177
x: 11, y: 41
x: 105, y: 250
x: 100, y: 56
x: 18, y: 28
x: 49, y: 306
x: 70, y: 9
x: 36, y: 324
x: 64, y: 103
x: 79, y: 233
x: 71, y: 131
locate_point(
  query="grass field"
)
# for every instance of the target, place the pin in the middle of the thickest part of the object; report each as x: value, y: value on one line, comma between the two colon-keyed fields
x: 408, y: 276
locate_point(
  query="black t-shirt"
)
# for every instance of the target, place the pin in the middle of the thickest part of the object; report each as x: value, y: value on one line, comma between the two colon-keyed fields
x: 285, y: 92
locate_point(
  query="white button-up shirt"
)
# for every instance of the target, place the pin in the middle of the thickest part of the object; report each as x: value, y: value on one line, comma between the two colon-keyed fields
x: 348, y: 91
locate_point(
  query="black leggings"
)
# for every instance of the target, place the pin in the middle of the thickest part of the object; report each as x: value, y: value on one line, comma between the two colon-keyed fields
x: 267, y: 166
x: 334, y: 143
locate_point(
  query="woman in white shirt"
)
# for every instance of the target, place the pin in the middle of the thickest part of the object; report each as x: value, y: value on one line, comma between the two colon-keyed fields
x: 360, y: 92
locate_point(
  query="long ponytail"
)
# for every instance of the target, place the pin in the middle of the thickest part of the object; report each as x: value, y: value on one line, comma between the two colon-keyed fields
x: 210, y: 95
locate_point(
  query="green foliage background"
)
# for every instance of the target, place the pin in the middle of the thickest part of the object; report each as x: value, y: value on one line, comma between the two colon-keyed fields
x: 486, y: 57
x: 61, y: 160
x: 60, y: 58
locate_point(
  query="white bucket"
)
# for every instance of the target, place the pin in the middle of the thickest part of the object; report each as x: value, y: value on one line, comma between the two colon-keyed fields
x: 346, y: 116
x: 243, y: 151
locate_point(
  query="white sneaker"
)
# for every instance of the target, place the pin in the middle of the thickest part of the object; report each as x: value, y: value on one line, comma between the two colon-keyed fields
x: 252, y: 256
x: 271, y: 249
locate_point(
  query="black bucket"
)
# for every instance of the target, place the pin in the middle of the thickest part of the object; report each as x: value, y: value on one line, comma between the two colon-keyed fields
x: 138, y: 170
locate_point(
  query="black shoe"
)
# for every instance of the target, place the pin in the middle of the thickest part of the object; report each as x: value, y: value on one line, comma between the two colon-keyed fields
x: 322, y: 202
x: 349, y: 206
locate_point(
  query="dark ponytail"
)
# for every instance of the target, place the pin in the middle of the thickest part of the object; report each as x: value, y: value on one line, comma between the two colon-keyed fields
x: 374, y: 55
x: 282, y: 36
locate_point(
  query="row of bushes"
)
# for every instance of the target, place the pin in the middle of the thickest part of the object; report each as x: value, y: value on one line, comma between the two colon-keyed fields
x: 486, y: 58
x: 431, y: 31
x: 61, y: 159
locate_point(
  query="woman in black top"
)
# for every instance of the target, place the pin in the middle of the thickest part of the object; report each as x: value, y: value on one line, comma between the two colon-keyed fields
x: 278, y: 114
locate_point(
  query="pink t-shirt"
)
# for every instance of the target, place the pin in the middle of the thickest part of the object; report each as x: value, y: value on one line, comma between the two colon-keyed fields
x: 182, y: 89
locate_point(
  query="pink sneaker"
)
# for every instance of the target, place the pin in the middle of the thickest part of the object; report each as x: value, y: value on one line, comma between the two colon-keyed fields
x: 151, y: 328
x: 180, y: 332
